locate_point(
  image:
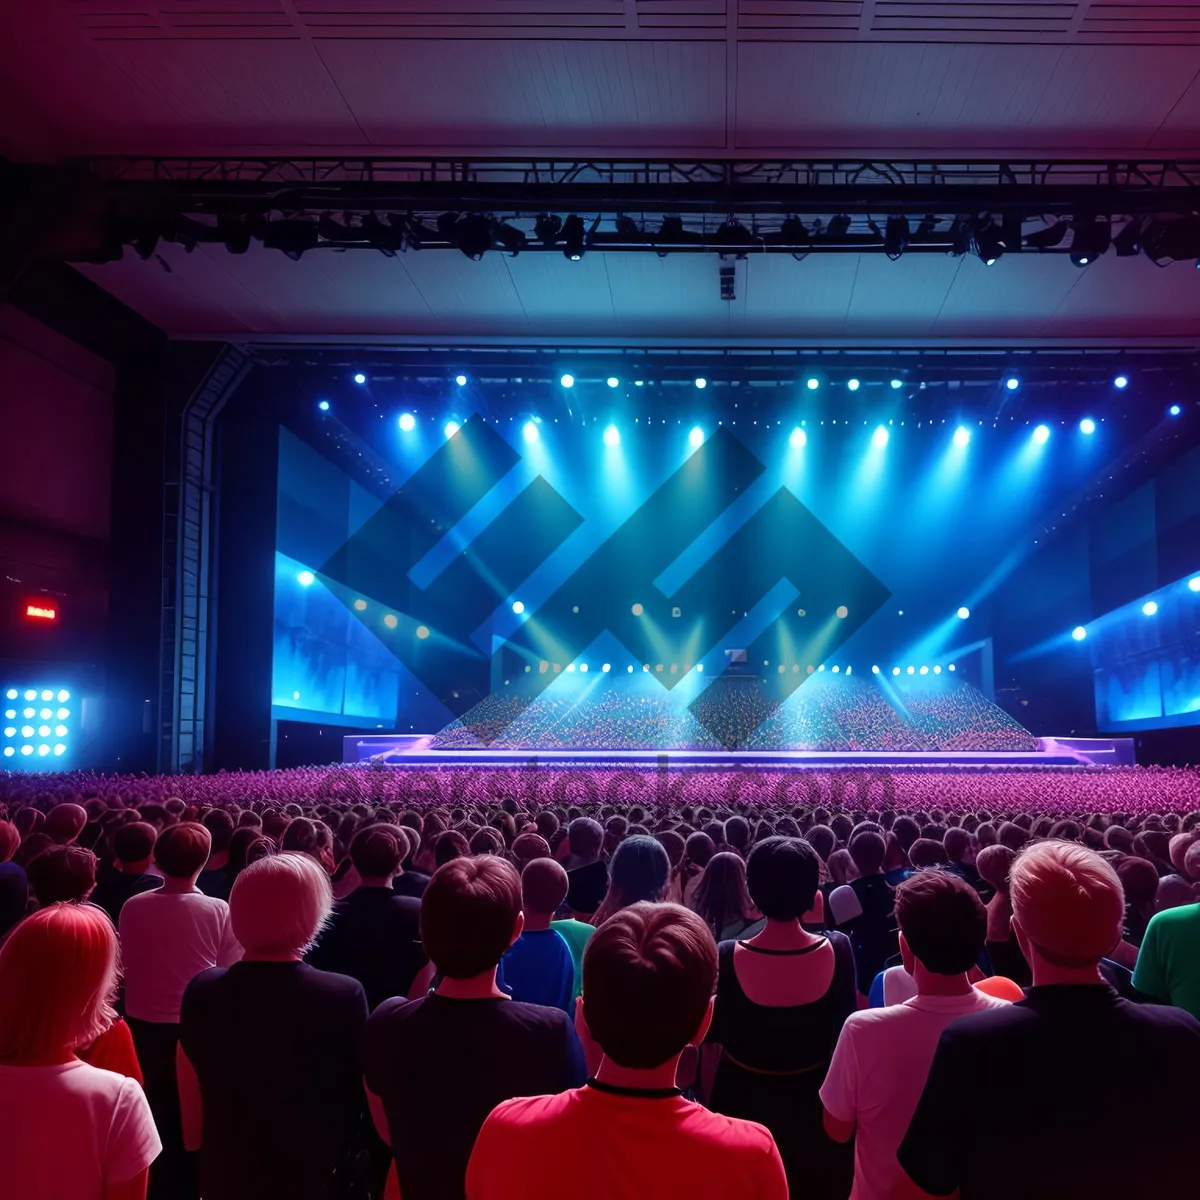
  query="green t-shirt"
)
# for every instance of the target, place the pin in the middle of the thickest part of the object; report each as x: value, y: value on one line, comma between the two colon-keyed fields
x: 575, y: 934
x: 1168, y: 964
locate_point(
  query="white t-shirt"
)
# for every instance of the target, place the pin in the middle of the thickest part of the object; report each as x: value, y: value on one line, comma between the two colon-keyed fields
x: 877, y: 1075
x: 166, y: 941
x: 71, y: 1130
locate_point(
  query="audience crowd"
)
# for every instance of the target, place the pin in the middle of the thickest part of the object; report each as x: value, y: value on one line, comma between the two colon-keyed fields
x: 302, y: 984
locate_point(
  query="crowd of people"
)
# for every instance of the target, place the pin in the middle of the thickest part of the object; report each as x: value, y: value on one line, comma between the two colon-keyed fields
x: 609, y: 712
x: 210, y: 990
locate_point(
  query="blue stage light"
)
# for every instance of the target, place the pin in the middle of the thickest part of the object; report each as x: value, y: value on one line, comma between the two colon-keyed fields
x: 924, y: 671
x: 897, y: 384
x: 10, y: 731
x: 879, y: 438
x: 812, y: 383
x: 408, y: 422
x: 606, y: 668
x: 567, y: 381
x: 629, y: 669
x: 360, y: 378
x: 964, y: 613
x: 452, y: 427
x: 848, y: 670
x: 9, y: 751
x: 612, y: 436
x: 1041, y: 434
x: 836, y: 670
x: 1087, y: 425
x: 937, y: 670
x: 461, y: 380
x: 852, y: 384
x: 1012, y: 383
x: 1174, y: 410
x: 613, y: 381
x: 64, y: 695
x: 60, y: 749
x: 11, y: 694
x: 1194, y: 584
x: 324, y: 405
x: 962, y: 435
x: 696, y: 437
x: 531, y: 432
x: 895, y: 670
x: 583, y: 668
x: 874, y: 670
x: 798, y: 438
x: 518, y: 607
x: 1149, y: 608
x: 702, y: 383
x: 911, y: 670
x: 700, y: 668
x: 1079, y: 633
x: 1121, y: 381
x: 306, y: 578
x: 950, y: 667
x: 27, y: 749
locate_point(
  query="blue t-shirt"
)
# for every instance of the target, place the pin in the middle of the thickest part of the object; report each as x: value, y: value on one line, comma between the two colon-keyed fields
x: 538, y: 969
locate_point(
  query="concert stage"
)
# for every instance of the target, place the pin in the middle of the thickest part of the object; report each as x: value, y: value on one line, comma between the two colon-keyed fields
x: 416, y: 752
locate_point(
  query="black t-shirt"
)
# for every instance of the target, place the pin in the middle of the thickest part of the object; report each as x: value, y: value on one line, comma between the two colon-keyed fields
x: 411, y: 883
x: 112, y: 891
x: 1088, y: 1095
x: 872, y: 934
x: 440, y: 1066
x: 215, y: 883
x: 374, y: 936
x: 279, y: 1049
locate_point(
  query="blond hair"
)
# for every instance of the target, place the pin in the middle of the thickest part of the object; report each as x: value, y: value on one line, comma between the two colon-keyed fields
x: 279, y: 904
x: 58, y: 978
x: 1068, y: 902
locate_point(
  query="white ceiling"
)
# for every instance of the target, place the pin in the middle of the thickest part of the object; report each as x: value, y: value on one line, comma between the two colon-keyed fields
x: 620, y: 77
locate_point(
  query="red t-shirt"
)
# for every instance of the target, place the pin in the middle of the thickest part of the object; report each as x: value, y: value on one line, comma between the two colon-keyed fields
x: 591, y: 1144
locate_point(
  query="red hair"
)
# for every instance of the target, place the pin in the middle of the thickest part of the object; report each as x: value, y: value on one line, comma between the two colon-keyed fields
x: 58, y: 976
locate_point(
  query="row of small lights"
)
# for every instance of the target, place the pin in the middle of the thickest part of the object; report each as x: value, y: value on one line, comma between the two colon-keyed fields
x: 924, y: 670
x: 1149, y: 609
x: 28, y: 731
x: 673, y: 669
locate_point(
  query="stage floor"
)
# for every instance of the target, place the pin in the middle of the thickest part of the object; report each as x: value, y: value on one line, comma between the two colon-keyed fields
x: 416, y: 752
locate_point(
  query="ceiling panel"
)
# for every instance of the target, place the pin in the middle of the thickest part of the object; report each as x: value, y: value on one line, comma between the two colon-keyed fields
x: 1013, y: 298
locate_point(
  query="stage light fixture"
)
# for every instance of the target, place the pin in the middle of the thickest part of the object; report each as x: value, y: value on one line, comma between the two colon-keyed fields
x: 841, y: 612
x: 508, y: 237
x: 360, y: 378
x: 27, y: 749
x: 963, y: 613
x: 43, y: 731
x: 821, y: 667
x: 613, y: 381
x: 1121, y: 381
x: 531, y: 431
x: 879, y: 438
x: 60, y: 749
x: 47, y: 694
x: 1174, y: 410
x: 28, y: 712
x: 391, y: 620
x: 924, y: 671
x: 1149, y: 608
x: 31, y: 694
x: 637, y: 610
x: 1089, y: 241
x: 10, y: 731
x: 895, y: 237
x: 567, y: 381
x: 629, y: 669
x: 11, y: 694
x: 422, y: 631
x: 612, y: 436
x: 950, y: 667
x: 853, y: 384
x: 1194, y: 584
x: 606, y: 668
x: 988, y: 242
x: 812, y: 383
x: 937, y: 670
x: 408, y: 422
x: 797, y: 439
x: 1041, y: 435
x: 895, y: 670
x: 836, y: 670
x: 1087, y: 425
x: 962, y: 435
x: 911, y: 670
x: 1128, y: 242
x: 696, y: 437
x: 461, y: 380
x: 1012, y: 383
x: 546, y: 228
x: 837, y: 228
x: 583, y: 667
x: 518, y: 607
x: 874, y: 670
x: 27, y: 731
x: 700, y: 668
x: 1174, y: 239
x: 897, y: 384
x: 1048, y: 237
x: 323, y: 405
x: 9, y: 751
x: 573, y: 232
x: 306, y: 578
x: 452, y: 427
x: 1079, y: 633
x: 360, y: 605
x: 470, y: 232
x: 701, y: 383
x: 63, y: 713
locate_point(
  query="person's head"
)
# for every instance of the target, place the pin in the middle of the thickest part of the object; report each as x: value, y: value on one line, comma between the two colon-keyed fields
x: 529, y: 846
x: 698, y: 849
x: 65, y: 822
x: 450, y: 844
x: 133, y: 846
x: 487, y: 841
x: 1117, y: 837
x: 721, y: 897
x: 470, y: 915
x: 957, y: 844
x: 14, y: 896
x: 868, y: 849
x: 376, y: 853
x: 823, y: 840
x: 994, y: 864
x: 925, y: 852
x: 10, y: 839
x: 244, y: 839
x: 1068, y: 906
x: 737, y: 834
x: 62, y: 873
x: 648, y: 979
x: 58, y: 977
x: 1139, y: 881
x: 1177, y: 850
x: 907, y: 831
x: 220, y: 826
x: 673, y: 843
x: 1012, y: 835
x: 278, y: 905
x: 639, y: 871
x: 942, y: 922
x: 585, y: 838
x: 841, y: 867
x: 182, y: 850
x: 1191, y: 862
x: 543, y: 887
x: 782, y: 875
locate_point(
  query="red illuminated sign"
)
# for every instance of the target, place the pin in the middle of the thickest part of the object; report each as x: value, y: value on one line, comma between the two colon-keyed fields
x: 41, y: 612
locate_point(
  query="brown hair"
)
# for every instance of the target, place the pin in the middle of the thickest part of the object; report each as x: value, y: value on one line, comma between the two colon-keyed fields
x: 648, y: 977
x: 543, y: 885
x: 468, y: 914
x: 133, y: 842
x: 62, y: 873
x: 376, y: 851
x: 943, y: 921
x: 182, y: 850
